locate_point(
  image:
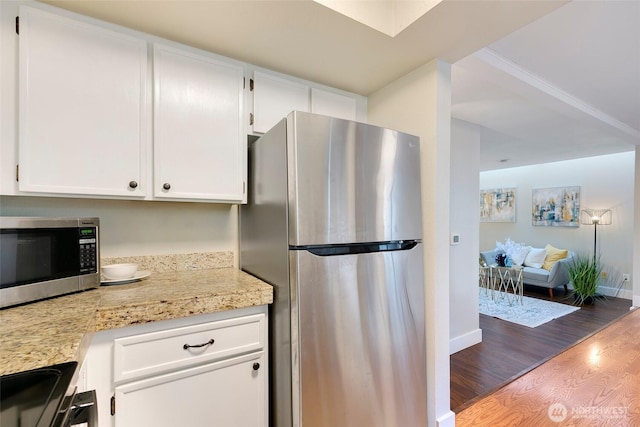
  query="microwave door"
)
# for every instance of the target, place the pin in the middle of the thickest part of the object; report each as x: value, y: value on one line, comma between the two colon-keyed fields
x: 45, y: 257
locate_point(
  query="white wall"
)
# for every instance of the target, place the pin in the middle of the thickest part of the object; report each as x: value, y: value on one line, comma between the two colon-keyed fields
x: 465, y: 216
x: 420, y: 104
x: 636, y: 234
x: 605, y: 182
x: 130, y: 228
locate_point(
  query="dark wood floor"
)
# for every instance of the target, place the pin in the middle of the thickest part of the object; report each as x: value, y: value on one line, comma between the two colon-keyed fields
x: 508, y: 351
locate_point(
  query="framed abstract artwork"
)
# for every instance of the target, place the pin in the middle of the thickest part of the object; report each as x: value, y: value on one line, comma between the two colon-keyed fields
x: 498, y: 205
x: 556, y: 207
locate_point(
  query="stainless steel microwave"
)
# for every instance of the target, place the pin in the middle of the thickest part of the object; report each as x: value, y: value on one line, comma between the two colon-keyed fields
x: 47, y: 257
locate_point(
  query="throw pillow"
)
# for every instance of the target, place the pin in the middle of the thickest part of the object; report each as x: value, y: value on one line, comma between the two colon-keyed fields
x: 518, y: 255
x: 516, y: 251
x: 553, y: 256
x: 535, y: 258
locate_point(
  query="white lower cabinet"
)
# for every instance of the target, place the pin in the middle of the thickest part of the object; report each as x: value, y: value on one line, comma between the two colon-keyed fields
x: 205, y: 370
x: 228, y: 393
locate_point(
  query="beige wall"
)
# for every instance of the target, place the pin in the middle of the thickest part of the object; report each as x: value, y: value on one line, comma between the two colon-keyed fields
x: 635, y: 278
x: 465, y: 216
x: 420, y: 103
x: 129, y: 228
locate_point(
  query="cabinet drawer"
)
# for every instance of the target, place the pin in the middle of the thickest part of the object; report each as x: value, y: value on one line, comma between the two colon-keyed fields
x: 147, y: 354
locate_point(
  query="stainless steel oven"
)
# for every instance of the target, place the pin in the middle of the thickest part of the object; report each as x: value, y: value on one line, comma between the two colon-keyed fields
x: 46, y: 397
x: 46, y: 257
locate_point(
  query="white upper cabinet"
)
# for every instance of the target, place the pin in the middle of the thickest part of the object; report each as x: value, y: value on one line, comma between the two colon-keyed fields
x: 274, y: 98
x: 84, y: 109
x: 333, y: 104
x: 199, y: 143
x: 92, y: 109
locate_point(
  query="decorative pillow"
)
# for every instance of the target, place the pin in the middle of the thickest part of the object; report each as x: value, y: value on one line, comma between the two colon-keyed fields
x: 535, y: 258
x: 518, y: 255
x: 488, y: 257
x: 553, y: 256
x: 516, y: 251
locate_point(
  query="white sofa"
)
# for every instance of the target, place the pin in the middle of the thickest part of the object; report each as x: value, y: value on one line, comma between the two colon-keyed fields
x: 551, y: 279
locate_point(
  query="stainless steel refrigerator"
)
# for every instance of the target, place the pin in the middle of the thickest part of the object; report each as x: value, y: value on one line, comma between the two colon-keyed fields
x: 333, y: 222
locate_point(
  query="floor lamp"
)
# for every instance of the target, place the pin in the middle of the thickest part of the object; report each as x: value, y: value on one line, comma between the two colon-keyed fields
x: 595, y: 217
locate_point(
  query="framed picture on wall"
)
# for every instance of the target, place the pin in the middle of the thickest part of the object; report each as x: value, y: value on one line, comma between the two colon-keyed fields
x: 556, y: 207
x: 498, y: 205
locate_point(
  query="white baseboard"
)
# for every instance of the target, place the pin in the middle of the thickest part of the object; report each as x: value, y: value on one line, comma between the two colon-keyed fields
x: 613, y: 292
x: 466, y: 340
x: 446, y: 420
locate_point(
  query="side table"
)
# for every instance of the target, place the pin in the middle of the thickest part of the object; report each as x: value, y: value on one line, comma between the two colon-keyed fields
x: 486, y: 279
x: 508, y: 284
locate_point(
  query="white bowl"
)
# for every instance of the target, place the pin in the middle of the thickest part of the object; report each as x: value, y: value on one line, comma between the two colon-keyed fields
x: 119, y: 271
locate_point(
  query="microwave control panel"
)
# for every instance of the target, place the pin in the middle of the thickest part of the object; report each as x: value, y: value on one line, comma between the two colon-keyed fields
x: 88, y: 242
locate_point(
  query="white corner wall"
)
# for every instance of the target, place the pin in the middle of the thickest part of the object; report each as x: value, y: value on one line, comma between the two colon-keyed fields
x: 605, y: 182
x: 636, y: 234
x: 420, y: 103
x: 465, y: 216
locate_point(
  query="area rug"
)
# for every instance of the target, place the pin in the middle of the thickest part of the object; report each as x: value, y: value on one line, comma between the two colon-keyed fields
x: 532, y: 312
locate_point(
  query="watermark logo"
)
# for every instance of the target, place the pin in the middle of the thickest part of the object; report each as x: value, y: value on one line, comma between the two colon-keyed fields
x: 557, y: 412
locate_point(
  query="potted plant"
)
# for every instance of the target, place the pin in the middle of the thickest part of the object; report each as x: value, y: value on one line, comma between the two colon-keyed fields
x: 584, y: 273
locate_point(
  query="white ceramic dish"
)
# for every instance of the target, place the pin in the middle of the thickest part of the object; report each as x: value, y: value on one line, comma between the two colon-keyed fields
x: 142, y: 274
x: 119, y: 271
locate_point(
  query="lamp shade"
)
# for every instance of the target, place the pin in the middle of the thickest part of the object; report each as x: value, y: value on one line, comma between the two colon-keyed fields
x: 595, y: 216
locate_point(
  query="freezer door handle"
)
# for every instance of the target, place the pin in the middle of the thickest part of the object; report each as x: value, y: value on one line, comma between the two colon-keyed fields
x: 358, y: 248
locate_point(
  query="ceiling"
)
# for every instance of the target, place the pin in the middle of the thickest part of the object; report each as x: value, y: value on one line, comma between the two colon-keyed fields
x: 562, y: 87
x: 543, y: 80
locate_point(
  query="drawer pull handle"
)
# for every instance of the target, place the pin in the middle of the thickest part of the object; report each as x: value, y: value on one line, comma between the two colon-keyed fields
x: 188, y: 346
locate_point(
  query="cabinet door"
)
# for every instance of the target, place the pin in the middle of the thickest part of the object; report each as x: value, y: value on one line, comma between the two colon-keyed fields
x: 333, y: 104
x: 199, y: 149
x: 83, y: 107
x: 274, y: 98
x: 228, y: 393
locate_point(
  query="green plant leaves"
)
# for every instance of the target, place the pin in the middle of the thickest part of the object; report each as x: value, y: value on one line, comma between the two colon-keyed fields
x: 585, y: 272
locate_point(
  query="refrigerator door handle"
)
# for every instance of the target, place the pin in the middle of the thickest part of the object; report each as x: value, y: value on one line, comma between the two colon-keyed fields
x: 358, y: 248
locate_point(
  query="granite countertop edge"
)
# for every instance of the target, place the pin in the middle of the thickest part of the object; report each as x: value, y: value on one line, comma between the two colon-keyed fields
x: 59, y: 330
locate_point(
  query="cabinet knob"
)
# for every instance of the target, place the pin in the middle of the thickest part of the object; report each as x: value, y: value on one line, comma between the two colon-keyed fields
x: 133, y: 184
x: 166, y: 186
x: 256, y: 366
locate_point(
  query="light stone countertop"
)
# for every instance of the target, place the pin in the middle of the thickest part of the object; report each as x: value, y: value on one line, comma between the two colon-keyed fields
x: 59, y: 329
